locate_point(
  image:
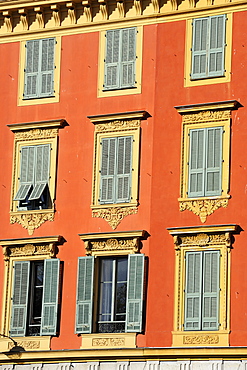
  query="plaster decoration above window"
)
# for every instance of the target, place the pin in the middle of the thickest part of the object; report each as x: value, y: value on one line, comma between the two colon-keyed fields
x: 116, y: 165
x: 34, y: 173
x: 205, y: 157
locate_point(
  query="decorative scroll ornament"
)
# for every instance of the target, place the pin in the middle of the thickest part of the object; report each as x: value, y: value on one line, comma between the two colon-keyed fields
x: 203, y: 207
x: 120, y: 8
x: 56, y: 14
x: 103, y: 10
x: 156, y: 6
x: 31, y: 221
x: 117, y: 125
x: 8, y: 20
x: 114, y: 215
x: 201, y: 339
x: 131, y: 245
x: 207, y: 116
x: 23, y: 19
x: 39, y: 16
x: 29, y: 250
x: 32, y: 344
x: 138, y: 7
x: 71, y: 13
x: 36, y: 134
x: 202, y: 240
x: 108, y: 342
x: 87, y: 10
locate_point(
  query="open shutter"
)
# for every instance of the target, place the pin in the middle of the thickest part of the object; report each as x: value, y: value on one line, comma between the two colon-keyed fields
x: 199, y: 48
x: 124, y: 169
x: 193, y: 291
x: 47, y: 67
x: 216, y: 64
x: 26, y: 179
x: 213, y: 161
x: 50, y: 297
x: 210, y: 302
x: 128, y: 57
x: 196, y: 163
x: 112, y: 59
x: 19, y: 298
x: 42, y: 170
x: 84, y: 299
x: 135, y: 293
x: 32, y: 68
x: 108, y: 170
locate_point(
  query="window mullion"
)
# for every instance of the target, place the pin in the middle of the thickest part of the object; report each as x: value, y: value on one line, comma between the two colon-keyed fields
x: 113, y: 289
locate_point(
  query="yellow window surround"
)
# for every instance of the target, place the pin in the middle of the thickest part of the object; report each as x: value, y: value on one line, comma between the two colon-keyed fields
x: 202, y: 238
x: 114, y: 126
x: 29, y: 249
x: 216, y: 114
x: 26, y: 134
x: 188, y: 55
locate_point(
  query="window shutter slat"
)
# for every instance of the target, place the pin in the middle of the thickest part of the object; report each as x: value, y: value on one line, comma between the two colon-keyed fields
x: 196, y: 163
x: 128, y: 57
x: 50, y: 297
x: 31, y: 69
x: 26, y: 172
x: 192, y: 319
x: 42, y: 170
x: 124, y: 169
x: 217, y: 46
x: 19, y: 298
x: 134, y: 293
x: 112, y: 59
x: 210, y: 301
x: 199, y: 48
x: 47, y: 67
x: 84, y: 300
x: 213, y: 160
x: 108, y: 169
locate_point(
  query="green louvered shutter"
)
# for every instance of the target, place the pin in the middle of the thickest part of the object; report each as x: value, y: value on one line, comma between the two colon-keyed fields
x: 213, y: 161
x: 108, y: 170
x: 196, y: 163
x: 193, y: 291
x: 128, y: 57
x: 210, y: 302
x: 19, y: 298
x: 112, y: 59
x: 134, y: 293
x: 84, y: 299
x: 47, y: 67
x: 124, y: 169
x: 32, y: 69
x: 199, y: 48
x: 50, y: 297
x: 26, y: 180
x: 42, y: 170
x: 216, y: 56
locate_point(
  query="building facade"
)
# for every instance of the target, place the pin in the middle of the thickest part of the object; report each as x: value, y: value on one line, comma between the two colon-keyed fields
x: 123, y: 184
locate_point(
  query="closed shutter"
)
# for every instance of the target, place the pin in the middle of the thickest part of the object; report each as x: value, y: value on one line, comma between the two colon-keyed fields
x: 193, y: 291
x: 26, y: 180
x: 210, y: 303
x: 108, y: 170
x: 19, y: 298
x: 128, y: 57
x: 124, y: 169
x: 199, y: 48
x: 196, y: 163
x: 135, y: 293
x: 213, y: 161
x: 217, y: 46
x: 50, y: 297
x: 32, y: 69
x: 84, y: 299
x: 42, y: 170
x: 47, y: 67
x: 112, y: 59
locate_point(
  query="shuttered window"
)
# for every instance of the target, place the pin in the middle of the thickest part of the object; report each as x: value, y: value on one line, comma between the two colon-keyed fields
x: 35, y: 298
x: 34, y: 173
x: 205, y: 162
x: 208, y: 47
x: 120, y: 58
x: 39, y: 68
x: 120, y: 290
x: 115, y: 170
x: 202, y: 290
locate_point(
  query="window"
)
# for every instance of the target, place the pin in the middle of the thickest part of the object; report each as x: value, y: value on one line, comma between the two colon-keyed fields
x: 34, y: 298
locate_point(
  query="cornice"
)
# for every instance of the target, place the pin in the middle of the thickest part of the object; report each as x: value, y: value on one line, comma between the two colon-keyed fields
x: 232, y: 228
x: 126, y: 234
x: 39, y: 240
x: 228, y: 104
x: 38, y: 125
x: 119, y: 116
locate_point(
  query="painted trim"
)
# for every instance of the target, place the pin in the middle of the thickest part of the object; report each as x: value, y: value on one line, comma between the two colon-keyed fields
x: 105, y: 340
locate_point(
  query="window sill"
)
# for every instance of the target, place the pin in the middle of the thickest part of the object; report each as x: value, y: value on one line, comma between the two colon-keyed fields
x: 106, y: 340
x: 32, y: 220
x: 28, y: 343
x: 200, y: 338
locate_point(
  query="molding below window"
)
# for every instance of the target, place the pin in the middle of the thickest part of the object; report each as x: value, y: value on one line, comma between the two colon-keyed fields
x: 114, y: 215
x: 31, y: 220
x: 103, y: 340
x: 205, y: 338
x: 28, y: 343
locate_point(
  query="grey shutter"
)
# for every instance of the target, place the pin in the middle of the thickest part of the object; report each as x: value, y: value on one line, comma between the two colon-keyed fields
x: 128, y: 57
x: 47, y: 67
x: 193, y: 291
x: 108, y: 170
x: 196, y: 163
x: 19, y: 298
x: 26, y: 179
x: 124, y: 169
x: 50, y: 297
x: 216, y: 63
x: 210, y: 302
x: 84, y: 299
x: 112, y: 59
x: 199, y: 48
x: 42, y: 170
x: 213, y: 161
x: 32, y: 69
x: 134, y: 293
